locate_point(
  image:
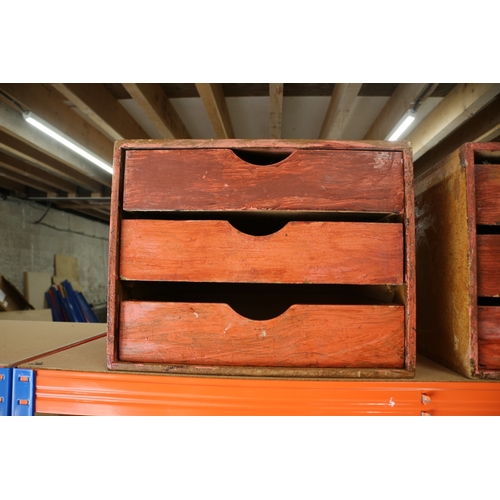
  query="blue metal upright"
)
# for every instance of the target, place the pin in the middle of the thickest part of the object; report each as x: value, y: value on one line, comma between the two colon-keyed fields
x: 5, y: 391
x: 23, y: 392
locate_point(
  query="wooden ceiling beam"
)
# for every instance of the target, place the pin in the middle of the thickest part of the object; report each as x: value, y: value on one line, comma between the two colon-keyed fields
x: 28, y: 154
x: 18, y: 166
x: 215, y: 104
x: 97, y: 102
x: 464, y: 100
x: 27, y: 181
x: 398, y: 104
x: 276, y: 109
x: 341, y: 103
x: 12, y: 185
x: 12, y: 123
x: 46, y: 103
x: 152, y: 99
x: 484, y: 126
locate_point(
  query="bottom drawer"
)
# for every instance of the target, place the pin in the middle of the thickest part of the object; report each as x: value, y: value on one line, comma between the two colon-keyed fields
x: 489, y: 337
x: 182, y: 333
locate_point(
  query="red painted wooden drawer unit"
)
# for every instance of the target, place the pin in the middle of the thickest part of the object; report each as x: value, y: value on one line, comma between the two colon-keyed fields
x: 262, y: 258
x: 458, y: 255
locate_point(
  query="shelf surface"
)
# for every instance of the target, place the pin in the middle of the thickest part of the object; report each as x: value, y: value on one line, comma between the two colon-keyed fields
x: 76, y: 381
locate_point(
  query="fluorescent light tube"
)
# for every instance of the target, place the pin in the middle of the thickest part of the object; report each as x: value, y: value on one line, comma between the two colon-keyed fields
x: 58, y: 136
x: 399, y: 131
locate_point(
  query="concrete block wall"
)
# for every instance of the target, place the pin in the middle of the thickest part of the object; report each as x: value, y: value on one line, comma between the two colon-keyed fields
x: 28, y: 246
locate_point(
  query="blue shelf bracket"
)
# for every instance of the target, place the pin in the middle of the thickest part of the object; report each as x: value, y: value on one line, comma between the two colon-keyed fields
x: 23, y: 392
x: 5, y: 391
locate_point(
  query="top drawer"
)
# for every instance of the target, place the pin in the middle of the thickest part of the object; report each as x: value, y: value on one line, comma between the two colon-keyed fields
x: 218, y: 180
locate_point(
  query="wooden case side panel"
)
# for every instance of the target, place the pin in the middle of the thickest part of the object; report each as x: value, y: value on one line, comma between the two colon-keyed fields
x: 444, y: 265
x: 303, y: 336
x: 114, y: 289
x: 218, y: 180
x: 301, y: 252
x: 489, y: 338
x: 410, y: 300
x: 487, y: 194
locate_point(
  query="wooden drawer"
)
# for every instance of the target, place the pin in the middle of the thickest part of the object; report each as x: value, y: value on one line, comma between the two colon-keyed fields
x: 489, y: 337
x: 262, y: 258
x: 301, y: 252
x: 217, y: 179
x: 487, y: 194
x: 488, y: 265
x: 352, y: 336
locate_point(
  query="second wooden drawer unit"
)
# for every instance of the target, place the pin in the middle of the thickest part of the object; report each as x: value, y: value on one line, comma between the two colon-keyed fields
x: 268, y: 258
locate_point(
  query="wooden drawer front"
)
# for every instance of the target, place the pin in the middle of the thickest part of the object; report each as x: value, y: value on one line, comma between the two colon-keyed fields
x: 217, y: 179
x: 488, y: 265
x: 303, y: 336
x: 489, y: 337
x: 301, y: 252
x: 487, y: 194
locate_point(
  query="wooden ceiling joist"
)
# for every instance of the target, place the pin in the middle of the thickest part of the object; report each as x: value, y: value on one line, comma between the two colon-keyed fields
x: 341, y: 103
x: 28, y: 181
x: 276, y: 109
x: 18, y: 166
x: 153, y: 101
x: 28, y: 154
x: 97, y: 102
x: 46, y: 103
x: 12, y: 185
x: 464, y: 100
x: 482, y: 127
x: 212, y: 96
x: 12, y: 123
x: 398, y: 104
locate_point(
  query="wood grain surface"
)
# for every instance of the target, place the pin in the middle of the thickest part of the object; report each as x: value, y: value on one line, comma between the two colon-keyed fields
x: 489, y: 337
x: 301, y: 252
x: 217, y: 179
x: 488, y: 265
x: 487, y: 194
x: 303, y: 336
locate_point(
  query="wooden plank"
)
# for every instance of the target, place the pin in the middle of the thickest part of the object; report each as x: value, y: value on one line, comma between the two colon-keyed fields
x: 45, y: 103
x: 12, y: 123
x: 18, y: 166
x: 487, y: 194
x: 488, y: 265
x: 341, y: 103
x: 489, y: 337
x: 302, y: 252
x: 214, y: 101
x: 66, y: 266
x: 35, y: 286
x: 97, y: 102
x: 482, y: 127
x: 276, y: 109
x: 305, y: 180
x: 458, y: 106
x: 28, y: 181
x: 304, y: 336
x: 399, y: 103
x: 152, y: 99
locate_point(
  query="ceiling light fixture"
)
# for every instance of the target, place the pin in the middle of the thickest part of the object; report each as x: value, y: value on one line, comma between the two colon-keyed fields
x: 45, y: 127
x: 406, y: 123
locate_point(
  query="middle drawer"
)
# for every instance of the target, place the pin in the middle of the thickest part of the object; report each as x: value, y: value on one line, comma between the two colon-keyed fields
x: 301, y: 252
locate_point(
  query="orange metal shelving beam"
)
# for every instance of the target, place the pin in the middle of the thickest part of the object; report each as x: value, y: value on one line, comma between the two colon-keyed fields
x: 87, y: 393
